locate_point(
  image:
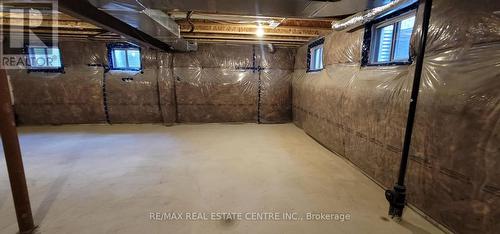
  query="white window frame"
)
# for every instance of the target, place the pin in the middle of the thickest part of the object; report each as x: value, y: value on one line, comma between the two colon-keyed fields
x: 374, y: 43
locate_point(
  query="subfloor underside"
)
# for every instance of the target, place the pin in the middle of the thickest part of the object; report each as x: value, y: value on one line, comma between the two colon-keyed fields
x: 110, y: 179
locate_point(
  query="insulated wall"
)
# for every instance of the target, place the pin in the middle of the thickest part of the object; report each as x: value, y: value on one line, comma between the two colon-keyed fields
x: 356, y: 112
x: 454, y: 172
x: 145, y: 96
x: 132, y: 96
x: 360, y: 112
x: 233, y: 83
x: 218, y: 83
x: 212, y: 85
x: 166, y: 88
x: 87, y: 93
x: 74, y: 96
x: 275, y: 84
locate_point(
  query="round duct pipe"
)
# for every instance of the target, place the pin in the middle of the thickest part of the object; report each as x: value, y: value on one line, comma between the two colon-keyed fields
x: 368, y: 15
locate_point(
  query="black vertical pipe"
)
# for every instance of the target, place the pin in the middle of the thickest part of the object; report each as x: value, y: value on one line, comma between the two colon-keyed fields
x: 13, y: 158
x: 397, y: 196
x: 415, y: 91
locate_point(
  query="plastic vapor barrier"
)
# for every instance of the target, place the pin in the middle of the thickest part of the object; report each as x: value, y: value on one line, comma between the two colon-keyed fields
x: 74, y: 96
x: 360, y: 113
x: 216, y: 95
x: 229, y: 83
x: 339, y: 48
x: 216, y: 56
x: 218, y: 83
x: 86, y: 93
x: 275, y: 96
x: 213, y: 85
x: 280, y: 58
x: 166, y: 92
x: 132, y: 97
x: 275, y: 102
x: 454, y: 173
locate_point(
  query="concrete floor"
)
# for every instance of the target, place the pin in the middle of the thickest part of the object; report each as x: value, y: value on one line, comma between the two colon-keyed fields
x: 107, y: 179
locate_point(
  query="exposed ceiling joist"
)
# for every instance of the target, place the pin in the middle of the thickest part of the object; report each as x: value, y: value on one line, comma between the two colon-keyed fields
x: 208, y: 27
x: 86, y: 11
x: 250, y: 30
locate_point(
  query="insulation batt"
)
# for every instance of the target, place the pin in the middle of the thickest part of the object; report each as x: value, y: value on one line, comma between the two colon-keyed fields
x: 218, y: 83
x: 234, y: 83
x: 132, y: 97
x: 360, y: 113
x: 63, y: 98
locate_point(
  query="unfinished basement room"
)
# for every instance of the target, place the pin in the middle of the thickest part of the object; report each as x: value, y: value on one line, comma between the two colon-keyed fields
x: 250, y: 116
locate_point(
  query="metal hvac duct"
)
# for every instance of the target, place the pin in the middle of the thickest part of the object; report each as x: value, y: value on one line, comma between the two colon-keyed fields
x: 369, y: 15
x: 276, y: 8
x: 153, y: 22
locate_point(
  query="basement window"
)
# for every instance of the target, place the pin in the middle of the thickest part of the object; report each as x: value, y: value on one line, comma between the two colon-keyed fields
x: 387, y: 40
x: 44, y: 59
x: 315, y: 56
x: 124, y: 57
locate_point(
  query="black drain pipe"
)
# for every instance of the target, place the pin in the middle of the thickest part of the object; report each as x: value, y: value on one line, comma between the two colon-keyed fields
x: 397, y: 196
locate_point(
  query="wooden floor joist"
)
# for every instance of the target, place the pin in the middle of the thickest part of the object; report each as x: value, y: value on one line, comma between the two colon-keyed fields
x: 290, y: 32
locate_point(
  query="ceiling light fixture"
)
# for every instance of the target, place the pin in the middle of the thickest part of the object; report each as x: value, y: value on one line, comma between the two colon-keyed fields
x: 260, y: 31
